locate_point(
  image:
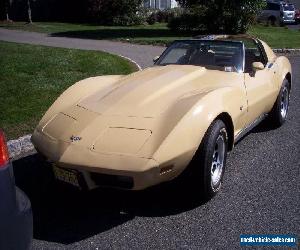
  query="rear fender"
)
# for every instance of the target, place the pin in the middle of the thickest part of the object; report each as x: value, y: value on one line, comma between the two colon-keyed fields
x: 284, y: 69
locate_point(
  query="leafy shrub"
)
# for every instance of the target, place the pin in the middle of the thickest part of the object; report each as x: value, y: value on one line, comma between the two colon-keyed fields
x: 164, y: 16
x: 115, y: 12
x: 143, y: 14
x: 190, y: 20
x: 216, y: 16
x: 151, y: 19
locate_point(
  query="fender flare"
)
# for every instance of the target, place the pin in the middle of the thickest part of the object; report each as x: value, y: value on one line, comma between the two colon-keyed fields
x: 182, y: 142
x: 285, y: 69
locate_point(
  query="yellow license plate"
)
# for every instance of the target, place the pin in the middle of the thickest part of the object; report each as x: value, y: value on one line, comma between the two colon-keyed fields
x: 66, y: 175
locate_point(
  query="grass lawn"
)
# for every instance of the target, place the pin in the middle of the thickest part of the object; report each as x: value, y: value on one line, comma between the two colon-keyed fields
x: 32, y: 77
x: 276, y: 37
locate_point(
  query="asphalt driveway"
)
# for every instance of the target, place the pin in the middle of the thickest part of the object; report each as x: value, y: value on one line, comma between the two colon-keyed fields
x: 294, y: 26
x: 261, y: 195
x: 141, y: 54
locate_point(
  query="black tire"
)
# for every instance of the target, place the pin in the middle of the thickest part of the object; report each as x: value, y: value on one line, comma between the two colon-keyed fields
x: 204, y: 160
x: 272, y: 21
x: 279, y: 112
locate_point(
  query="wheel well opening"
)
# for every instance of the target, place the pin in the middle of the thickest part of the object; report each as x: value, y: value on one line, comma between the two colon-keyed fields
x: 289, y: 78
x: 226, y: 118
x: 272, y: 18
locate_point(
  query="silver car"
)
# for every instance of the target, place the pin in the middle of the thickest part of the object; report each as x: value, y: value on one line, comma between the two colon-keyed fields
x: 278, y: 12
x: 287, y: 13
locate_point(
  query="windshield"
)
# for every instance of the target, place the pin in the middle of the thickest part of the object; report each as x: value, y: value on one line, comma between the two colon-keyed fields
x: 288, y: 7
x: 221, y: 55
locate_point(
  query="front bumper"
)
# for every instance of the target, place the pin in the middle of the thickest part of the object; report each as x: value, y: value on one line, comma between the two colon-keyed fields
x: 94, y: 177
x: 99, y: 169
x: 287, y: 21
x: 122, y: 180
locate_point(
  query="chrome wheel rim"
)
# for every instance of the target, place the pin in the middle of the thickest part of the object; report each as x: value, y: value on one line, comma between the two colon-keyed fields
x: 284, y: 104
x: 217, y: 165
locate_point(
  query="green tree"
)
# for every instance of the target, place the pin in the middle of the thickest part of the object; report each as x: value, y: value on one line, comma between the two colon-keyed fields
x: 222, y: 16
x: 115, y: 12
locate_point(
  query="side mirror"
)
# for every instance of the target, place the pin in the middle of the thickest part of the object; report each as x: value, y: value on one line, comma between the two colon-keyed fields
x: 155, y: 59
x: 257, y: 66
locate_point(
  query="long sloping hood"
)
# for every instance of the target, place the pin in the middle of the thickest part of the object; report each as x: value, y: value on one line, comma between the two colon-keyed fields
x: 148, y: 93
x: 107, y: 120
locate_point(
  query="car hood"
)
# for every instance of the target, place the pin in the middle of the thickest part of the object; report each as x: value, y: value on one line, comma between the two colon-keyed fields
x: 141, y: 108
x: 150, y: 92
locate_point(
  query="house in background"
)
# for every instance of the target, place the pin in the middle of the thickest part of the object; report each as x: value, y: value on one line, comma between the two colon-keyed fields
x: 160, y: 4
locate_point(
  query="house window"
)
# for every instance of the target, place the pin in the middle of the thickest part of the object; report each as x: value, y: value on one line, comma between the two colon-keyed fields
x: 147, y: 3
x: 163, y: 4
x: 153, y: 4
x: 160, y: 4
x: 157, y: 4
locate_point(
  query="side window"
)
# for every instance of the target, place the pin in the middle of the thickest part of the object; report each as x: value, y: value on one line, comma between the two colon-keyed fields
x: 277, y: 7
x: 273, y: 6
x: 252, y: 54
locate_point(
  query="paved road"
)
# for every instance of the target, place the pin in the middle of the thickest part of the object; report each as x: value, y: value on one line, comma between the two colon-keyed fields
x: 294, y: 27
x: 261, y: 195
x: 142, y: 54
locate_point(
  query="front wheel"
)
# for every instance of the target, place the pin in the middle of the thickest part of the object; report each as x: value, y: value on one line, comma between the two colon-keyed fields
x: 210, y: 159
x: 272, y: 21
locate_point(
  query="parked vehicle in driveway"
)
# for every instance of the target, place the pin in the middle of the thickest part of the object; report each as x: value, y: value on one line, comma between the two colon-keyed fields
x: 15, y: 209
x: 297, y: 16
x: 184, y: 114
x: 277, y: 12
x: 287, y: 13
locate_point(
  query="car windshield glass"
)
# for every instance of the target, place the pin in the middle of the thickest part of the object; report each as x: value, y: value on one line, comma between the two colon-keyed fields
x: 220, y: 55
x: 288, y: 7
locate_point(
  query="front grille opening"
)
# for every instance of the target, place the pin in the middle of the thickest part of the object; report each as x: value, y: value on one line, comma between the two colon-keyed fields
x: 112, y: 180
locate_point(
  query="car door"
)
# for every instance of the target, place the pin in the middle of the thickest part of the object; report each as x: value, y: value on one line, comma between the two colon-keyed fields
x: 259, y: 83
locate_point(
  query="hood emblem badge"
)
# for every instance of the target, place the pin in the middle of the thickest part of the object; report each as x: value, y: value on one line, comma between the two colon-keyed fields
x: 75, y: 138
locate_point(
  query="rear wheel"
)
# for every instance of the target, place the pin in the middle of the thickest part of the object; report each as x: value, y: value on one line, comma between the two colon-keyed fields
x: 210, y: 159
x: 280, y: 110
x: 272, y: 20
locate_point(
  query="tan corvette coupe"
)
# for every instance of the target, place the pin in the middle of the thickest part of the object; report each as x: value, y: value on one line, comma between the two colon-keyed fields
x: 184, y: 113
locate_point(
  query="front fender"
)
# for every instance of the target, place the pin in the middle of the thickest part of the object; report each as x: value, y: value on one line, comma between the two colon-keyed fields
x: 77, y: 92
x: 180, y: 145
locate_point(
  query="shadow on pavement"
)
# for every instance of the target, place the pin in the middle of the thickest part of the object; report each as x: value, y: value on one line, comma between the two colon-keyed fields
x: 265, y: 126
x: 114, y: 33
x: 65, y: 215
